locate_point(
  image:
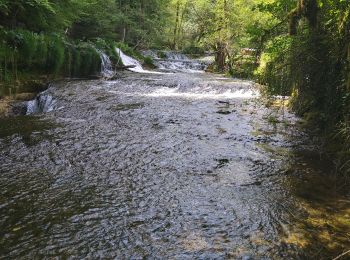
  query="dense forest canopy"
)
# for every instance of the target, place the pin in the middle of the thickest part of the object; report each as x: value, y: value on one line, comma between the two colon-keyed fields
x: 86, y: 19
x: 294, y: 47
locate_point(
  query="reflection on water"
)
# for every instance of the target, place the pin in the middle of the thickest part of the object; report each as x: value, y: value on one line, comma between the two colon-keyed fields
x: 30, y: 129
x: 324, y: 228
x: 130, y: 174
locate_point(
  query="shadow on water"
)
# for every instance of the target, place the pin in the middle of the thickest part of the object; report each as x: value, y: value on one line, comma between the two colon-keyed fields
x: 31, y: 129
x: 319, y: 227
x: 324, y: 229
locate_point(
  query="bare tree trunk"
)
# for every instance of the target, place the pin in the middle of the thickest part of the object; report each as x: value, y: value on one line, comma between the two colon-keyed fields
x: 176, y: 23
x: 181, y: 30
x: 124, y: 34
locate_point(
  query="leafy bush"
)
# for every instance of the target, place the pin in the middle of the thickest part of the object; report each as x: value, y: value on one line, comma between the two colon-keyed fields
x: 28, y: 47
x: 149, y: 62
x: 274, y: 68
x: 23, y: 51
x: 161, y: 54
x: 55, y: 57
x: 194, y: 50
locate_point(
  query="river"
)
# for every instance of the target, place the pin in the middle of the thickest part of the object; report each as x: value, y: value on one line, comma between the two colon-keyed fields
x: 158, y: 166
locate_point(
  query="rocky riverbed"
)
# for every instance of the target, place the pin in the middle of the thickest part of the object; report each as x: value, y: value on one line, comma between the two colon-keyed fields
x: 158, y: 166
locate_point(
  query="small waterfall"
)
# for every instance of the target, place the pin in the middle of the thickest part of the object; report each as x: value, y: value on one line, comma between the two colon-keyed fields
x: 175, y: 61
x: 107, y: 70
x: 181, y: 65
x: 129, y: 61
x: 173, y: 55
x: 43, y: 103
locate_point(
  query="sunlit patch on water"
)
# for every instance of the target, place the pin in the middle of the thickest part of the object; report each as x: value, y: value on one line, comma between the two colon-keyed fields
x: 324, y: 226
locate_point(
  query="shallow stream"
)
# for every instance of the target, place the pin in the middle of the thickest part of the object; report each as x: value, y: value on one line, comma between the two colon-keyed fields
x: 158, y: 166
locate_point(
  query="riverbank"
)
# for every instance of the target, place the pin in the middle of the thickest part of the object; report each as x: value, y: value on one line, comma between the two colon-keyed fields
x: 22, y: 90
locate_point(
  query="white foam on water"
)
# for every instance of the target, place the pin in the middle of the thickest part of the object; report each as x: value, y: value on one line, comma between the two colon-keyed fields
x: 43, y: 103
x: 173, y: 61
x: 107, y: 70
x: 239, y: 93
x: 129, y: 61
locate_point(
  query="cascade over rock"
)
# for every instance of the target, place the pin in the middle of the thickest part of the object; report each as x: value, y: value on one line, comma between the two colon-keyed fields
x: 107, y: 70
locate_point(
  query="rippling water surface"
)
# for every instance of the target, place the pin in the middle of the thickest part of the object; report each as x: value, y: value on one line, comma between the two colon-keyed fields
x: 176, y: 166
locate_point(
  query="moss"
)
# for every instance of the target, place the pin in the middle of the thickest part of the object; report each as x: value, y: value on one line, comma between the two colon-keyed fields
x: 149, y: 62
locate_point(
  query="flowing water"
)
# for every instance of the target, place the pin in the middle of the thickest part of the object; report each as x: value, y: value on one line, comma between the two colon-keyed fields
x: 135, y: 64
x: 107, y: 70
x: 159, y: 166
x: 43, y: 103
x: 171, y: 61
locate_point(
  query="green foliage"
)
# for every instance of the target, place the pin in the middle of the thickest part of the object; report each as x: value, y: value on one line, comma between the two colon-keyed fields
x: 243, y: 67
x: 34, y: 15
x: 25, y: 51
x: 312, y: 65
x: 28, y: 47
x: 148, y: 62
x: 55, y: 57
x: 141, y: 23
x: 274, y: 69
x: 128, y: 50
x: 161, y: 54
x: 194, y: 51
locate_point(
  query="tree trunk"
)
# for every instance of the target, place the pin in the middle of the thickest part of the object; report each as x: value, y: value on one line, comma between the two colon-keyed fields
x: 307, y: 9
x: 176, y: 23
x: 220, y: 56
x: 124, y: 33
x: 221, y: 45
x: 180, y: 31
x: 348, y: 72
